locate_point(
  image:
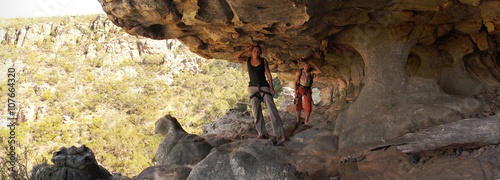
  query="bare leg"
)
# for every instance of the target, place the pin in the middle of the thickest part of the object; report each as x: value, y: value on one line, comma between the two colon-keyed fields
x: 298, y: 117
x: 307, y: 117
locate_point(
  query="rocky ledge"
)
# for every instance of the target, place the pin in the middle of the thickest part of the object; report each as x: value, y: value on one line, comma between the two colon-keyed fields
x: 228, y: 149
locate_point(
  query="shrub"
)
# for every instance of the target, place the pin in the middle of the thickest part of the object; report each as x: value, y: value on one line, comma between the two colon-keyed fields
x: 114, y: 113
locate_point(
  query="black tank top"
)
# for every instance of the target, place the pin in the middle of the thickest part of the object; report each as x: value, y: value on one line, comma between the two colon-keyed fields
x: 257, y: 74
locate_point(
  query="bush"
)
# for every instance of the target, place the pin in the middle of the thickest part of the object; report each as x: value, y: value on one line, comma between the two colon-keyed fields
x: 113, y: 112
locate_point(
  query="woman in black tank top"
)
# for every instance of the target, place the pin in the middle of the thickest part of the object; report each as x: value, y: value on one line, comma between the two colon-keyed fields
x: 257, y: 74
x: 261, y: 89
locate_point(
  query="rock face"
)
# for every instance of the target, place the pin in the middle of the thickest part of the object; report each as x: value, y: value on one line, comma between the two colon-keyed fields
x: 71, y: 163
x: 100, y: 31
x: 179, y: 147
x: 467, y: 133
x: 450, y: 152
x: 164, y: 172
x: 182, y: 154
x: 177, y: 153
x: 233, y: 125
x: 289, y: 30
x: 466, y: 149
x: 405, y: 65
x: 246, y: 159
x: 390, y: 67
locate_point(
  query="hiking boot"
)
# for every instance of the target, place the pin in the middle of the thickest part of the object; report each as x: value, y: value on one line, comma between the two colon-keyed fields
x: 281, y: 142
x: 265, y: 136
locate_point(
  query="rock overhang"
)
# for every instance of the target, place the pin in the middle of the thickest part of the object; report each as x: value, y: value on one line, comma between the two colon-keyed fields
x: 373, y: 53
x: 291, y: 31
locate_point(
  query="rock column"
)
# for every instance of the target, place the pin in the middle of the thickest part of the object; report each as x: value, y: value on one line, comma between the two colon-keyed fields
x: 384, y: 51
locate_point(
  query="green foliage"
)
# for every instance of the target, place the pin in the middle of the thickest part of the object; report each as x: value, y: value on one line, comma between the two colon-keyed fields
x: 106, y: 107
x: 122, y: 138
x: 127, y: 62
x: 47, y: 95
x: 68, y: 67
x: 206, y: 96
x: 21, y: 22
x: 94, y: 62
x: 156, y: 59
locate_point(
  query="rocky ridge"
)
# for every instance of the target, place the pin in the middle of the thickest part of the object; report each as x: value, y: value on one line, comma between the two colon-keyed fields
x: 103, y: 42
x: 73, y: 33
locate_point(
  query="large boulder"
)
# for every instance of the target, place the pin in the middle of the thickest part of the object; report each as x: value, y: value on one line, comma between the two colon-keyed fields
x: 75, y: 163
x: 235, y: 125
x: 164, y: 172
x: 179, y: 147
x: 245, y: 159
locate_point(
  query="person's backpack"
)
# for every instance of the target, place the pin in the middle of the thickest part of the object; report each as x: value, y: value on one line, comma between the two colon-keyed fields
x: 309, y: 80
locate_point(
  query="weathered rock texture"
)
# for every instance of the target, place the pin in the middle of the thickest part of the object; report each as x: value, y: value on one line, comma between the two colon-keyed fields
x: 398, y: 60
x: 467, y: 133
x: 240, y: 125
x: 164, y: 172
x: 463, y: 149
x: 71, y: 163
x: 103, y: 35
x: 179, y: 147
x: 403, y: 66
x: 246, y: 159
x: 177, y: 153
x: 289, y: 30
x: 182, y: 155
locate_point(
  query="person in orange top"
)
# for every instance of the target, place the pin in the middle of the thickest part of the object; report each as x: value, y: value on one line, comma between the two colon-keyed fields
x: 303, y: 81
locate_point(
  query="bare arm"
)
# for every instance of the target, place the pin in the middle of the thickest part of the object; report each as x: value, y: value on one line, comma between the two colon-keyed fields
x: 295, y: 85
x: 238, y: 57
x: 269, y: 76
x: 316, y: 70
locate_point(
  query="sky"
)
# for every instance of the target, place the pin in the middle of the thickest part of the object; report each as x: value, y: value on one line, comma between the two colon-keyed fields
x: 39, y: 8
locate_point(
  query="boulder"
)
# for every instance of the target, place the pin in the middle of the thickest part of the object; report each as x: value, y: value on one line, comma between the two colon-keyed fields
x: 179, y: 147
x: 164, y: 172
x: 75, y: 163
x: 245, y: 159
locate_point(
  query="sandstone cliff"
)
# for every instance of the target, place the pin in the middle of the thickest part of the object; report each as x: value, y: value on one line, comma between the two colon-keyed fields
x: 398, y: 60
x: 391, y: 67
x: 70, y: 32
